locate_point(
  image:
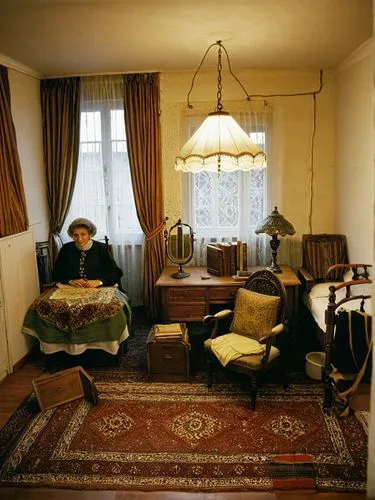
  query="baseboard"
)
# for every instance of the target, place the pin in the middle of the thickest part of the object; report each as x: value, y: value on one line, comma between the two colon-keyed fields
x: 25, y: 358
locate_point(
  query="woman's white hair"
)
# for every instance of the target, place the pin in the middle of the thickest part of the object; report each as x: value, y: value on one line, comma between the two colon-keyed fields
x: 82, y: 222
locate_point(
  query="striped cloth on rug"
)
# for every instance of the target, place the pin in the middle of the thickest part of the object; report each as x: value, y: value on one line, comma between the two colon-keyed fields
x: 290, y: 472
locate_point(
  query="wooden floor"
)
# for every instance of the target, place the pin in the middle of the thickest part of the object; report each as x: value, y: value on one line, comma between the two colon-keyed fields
x: 18, y: 385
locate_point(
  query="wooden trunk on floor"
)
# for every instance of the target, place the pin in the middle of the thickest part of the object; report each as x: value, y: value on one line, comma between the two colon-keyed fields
x: 168, y: 361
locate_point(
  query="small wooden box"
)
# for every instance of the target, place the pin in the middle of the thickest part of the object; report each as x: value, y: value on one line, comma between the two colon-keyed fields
x: 64, y: 386
x: 168, y: 361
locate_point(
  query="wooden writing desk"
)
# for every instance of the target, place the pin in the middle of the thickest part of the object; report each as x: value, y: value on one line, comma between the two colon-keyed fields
x: 189, y: 299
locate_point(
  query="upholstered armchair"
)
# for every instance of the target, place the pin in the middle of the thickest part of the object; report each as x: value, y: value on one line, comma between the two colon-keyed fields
x: 251, y: 346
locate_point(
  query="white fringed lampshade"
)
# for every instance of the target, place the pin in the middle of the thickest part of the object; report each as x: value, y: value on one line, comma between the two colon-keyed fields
x: 220, y: 144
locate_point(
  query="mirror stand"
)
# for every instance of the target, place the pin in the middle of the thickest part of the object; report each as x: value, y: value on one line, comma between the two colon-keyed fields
x: 179, y: 246
x: 180, y: 273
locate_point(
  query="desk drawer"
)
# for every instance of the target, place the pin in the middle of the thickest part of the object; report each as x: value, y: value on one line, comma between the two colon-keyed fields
x: 193, y: 294
x: 187, y: 312
x: 222, y: 293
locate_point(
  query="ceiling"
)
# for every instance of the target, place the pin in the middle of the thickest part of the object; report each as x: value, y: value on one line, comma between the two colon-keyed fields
x: 76, y: 37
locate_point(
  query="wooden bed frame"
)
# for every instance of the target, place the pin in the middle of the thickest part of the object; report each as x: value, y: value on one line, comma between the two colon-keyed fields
x: 359, y: 278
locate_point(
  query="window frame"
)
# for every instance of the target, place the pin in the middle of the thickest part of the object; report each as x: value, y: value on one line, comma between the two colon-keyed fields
x: 108, y: 175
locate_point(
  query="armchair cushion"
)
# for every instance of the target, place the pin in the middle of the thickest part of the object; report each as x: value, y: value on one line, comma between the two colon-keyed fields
x: 231, y: 346
x: 254, y: 314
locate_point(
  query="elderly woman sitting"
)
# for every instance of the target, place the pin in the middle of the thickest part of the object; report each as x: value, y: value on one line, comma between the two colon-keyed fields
x: 84, y: 310
x: 85, y: 262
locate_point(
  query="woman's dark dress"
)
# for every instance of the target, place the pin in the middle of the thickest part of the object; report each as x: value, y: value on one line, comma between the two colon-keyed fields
x: 98, y: 264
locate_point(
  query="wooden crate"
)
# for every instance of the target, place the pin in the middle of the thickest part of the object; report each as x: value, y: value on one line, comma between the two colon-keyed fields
x: 168, y: 361
x: 64, y: 386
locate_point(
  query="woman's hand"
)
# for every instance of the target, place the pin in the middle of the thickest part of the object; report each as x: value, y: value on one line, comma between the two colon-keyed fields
x: 78, y: 283
x: 83, y: 283
x: 93, y: 283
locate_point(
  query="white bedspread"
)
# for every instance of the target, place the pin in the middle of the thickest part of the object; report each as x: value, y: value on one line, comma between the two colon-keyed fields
x: 317, y: 300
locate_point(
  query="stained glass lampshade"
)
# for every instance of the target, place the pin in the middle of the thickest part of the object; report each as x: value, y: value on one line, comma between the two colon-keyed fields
x: 275, y: 225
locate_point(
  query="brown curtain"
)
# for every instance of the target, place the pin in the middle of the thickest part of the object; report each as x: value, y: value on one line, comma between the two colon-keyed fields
x: 141, y: 104
x: 13, y: 211
x: 60, y: 100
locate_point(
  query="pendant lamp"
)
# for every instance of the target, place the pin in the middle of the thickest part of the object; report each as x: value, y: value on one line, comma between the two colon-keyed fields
x: 219, y: 144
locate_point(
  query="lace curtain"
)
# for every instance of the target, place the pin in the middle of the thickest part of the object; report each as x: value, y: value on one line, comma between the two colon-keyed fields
x: 229, y: 207
x: 103, y: 192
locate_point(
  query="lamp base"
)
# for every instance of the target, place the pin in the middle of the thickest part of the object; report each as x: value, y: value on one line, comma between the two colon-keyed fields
x: 274, y: 268
x: 274, y: 243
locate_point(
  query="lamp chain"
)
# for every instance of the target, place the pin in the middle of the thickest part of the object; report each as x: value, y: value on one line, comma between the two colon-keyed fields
x: 219, y: 106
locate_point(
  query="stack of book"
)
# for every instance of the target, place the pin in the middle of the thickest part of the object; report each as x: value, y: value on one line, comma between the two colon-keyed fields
x: 226, y: 258
x: 172, y: 332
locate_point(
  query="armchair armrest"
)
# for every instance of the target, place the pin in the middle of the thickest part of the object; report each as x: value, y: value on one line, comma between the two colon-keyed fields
x: 306, y: 278
x: 276, y: 330
x: 225, y: 313
x: 215, y: 318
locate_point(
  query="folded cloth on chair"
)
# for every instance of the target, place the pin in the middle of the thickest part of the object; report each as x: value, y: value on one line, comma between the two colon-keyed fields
x: 232, y: 346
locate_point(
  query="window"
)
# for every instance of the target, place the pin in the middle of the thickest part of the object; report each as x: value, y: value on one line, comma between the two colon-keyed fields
x: 231, y: 205
x: 103, y: 191
x: 222, y: 204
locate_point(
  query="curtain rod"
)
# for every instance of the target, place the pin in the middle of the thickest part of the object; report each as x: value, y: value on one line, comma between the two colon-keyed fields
x: 100, y: 74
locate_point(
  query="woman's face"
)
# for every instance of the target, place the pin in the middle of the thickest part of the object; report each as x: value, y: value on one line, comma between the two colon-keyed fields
x: 81, y: 236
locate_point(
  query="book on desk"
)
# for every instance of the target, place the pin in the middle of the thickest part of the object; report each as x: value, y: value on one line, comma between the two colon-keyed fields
x: 226, y: 258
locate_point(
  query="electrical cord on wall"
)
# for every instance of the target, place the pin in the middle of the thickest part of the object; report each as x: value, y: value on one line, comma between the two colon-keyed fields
x: 311, y: 169
x: 311, y: 163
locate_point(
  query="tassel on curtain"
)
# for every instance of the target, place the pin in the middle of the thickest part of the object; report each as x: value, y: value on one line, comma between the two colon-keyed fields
x: 141, y: 103
x: 60, y: 99
x: 13, y: 211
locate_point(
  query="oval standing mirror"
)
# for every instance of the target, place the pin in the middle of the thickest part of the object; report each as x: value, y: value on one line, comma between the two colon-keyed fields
x: 179, y: 246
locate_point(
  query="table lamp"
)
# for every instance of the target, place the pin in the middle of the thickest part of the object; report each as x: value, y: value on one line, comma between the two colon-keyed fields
x: 275, y: 225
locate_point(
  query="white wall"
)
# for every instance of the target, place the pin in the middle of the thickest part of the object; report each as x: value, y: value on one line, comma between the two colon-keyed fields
x: 354, y: 177
x: 354, y: 166
x: 292, y: 131
x: 27, y: 118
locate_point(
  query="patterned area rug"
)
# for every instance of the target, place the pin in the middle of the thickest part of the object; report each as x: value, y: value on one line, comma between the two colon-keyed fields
x: 183, y: 437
